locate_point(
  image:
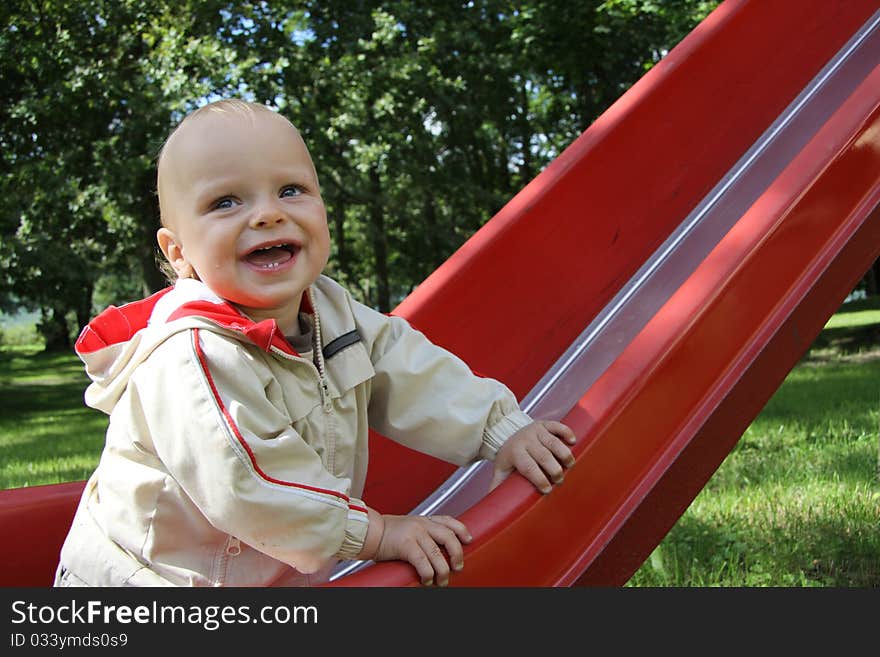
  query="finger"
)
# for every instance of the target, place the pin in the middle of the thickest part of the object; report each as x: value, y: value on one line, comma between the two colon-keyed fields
x: 437, y: 560
x: 416, y: 556
x: 559, y: 449
x: 546, y: 460
x: 451, y: 543
x: 529, y: 468
x: 561, y: 430
x: 456, y: 525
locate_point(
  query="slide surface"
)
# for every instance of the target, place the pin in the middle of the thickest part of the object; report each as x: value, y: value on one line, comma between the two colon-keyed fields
x: 651, y: 288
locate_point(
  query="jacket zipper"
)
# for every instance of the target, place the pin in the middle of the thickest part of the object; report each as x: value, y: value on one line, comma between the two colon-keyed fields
x: 323, y: 385
x: 325, y: 388
x: 326, y: 403
x: 329, y: 428
x: 231, y: 549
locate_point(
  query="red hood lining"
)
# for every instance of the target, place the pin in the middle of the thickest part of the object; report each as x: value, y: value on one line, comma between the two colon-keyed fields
x: 117, y: 325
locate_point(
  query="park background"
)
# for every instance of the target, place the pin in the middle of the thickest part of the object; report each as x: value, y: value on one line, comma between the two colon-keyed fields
x: 423, y: 119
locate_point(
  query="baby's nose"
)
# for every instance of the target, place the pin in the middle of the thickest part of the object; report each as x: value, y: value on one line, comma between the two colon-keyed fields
x: 268, y: 215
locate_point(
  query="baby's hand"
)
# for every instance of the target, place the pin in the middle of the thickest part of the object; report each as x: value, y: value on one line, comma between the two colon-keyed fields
x: 538, y: 453
x: 418, y: 540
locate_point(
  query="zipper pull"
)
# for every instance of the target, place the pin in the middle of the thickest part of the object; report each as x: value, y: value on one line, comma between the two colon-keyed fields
x: 233, y: 547
x: 325, y: 395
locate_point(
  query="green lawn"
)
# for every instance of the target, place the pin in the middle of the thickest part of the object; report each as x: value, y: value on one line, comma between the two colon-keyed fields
x: 863, y: 313
x: 47, y: 434
x: 796, y: 503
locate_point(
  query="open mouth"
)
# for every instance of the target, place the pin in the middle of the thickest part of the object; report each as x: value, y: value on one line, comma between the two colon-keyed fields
x: 272, y: 256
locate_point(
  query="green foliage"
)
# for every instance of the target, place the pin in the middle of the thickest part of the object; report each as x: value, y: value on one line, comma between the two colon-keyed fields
x: 88, y: 103
x: 424, y: 119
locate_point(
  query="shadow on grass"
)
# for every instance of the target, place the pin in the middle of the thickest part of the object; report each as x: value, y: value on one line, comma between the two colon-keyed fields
x: 834, y: 343
x: 21, y: 400
x: 49, y: 413
x: 47, y: 433
x: 816, y: 551
x: 752, y: 468
x: 42, y: 365
x: 819, y: 428
x: 841, y: 395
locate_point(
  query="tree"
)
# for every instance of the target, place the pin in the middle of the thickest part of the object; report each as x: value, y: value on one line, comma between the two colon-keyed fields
x: 423, y: 119
x: 92, y: 90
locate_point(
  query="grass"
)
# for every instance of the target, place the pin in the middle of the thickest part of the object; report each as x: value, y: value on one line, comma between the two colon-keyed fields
x: 47, y: 434
x: 863, y: 313
x: 796, y: 503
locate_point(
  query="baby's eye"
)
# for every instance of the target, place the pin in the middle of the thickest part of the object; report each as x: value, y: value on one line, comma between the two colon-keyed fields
x: 223, y: 203
x: 290, y: 191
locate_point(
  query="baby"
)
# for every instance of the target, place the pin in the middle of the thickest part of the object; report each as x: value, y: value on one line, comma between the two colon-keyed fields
x: 241, y: 398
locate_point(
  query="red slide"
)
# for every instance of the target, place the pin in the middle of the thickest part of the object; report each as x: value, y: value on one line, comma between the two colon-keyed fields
x: 651, y: 288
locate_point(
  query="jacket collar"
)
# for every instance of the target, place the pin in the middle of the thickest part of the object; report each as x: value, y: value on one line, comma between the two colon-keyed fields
x: 188, y: 298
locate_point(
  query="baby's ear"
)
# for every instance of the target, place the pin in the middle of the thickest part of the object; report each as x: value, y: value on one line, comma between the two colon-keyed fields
x: 172, y: 249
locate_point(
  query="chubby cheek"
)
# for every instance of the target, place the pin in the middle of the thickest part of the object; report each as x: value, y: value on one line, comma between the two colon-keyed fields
x: 221, y: 250
x: 216, y: 261
x: 324, y: 255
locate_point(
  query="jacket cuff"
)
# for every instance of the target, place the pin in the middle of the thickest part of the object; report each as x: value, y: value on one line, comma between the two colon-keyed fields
x: 355, y: 530
x: 496, y: 435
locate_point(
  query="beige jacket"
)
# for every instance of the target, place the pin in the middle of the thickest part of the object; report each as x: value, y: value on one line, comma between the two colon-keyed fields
x: 231, y: 460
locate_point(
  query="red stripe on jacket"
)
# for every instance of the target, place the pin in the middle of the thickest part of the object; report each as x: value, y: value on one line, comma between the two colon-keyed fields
x: 204, y: 365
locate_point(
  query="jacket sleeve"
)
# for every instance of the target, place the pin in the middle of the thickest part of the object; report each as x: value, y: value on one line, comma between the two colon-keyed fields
x: 428, y: 399
x: 238, y: 458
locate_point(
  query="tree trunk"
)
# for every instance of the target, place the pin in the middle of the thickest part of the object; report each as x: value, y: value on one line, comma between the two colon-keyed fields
x: 872, y: 279
x: 53, y: 327
x: 342, y: 261
x: 379, y: 242
x: 527, y: 171
x: 84, y: 305
x: 434, y: 254
x: 153, y: 279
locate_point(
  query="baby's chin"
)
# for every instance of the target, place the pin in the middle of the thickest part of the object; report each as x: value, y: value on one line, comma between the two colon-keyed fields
x: 279, y: 307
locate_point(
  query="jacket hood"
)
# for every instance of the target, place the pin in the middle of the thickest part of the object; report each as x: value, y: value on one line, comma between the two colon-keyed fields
x: 115, y: 342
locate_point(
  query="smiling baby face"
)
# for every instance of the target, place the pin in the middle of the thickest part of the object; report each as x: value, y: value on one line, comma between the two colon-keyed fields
x: 242, y: 210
